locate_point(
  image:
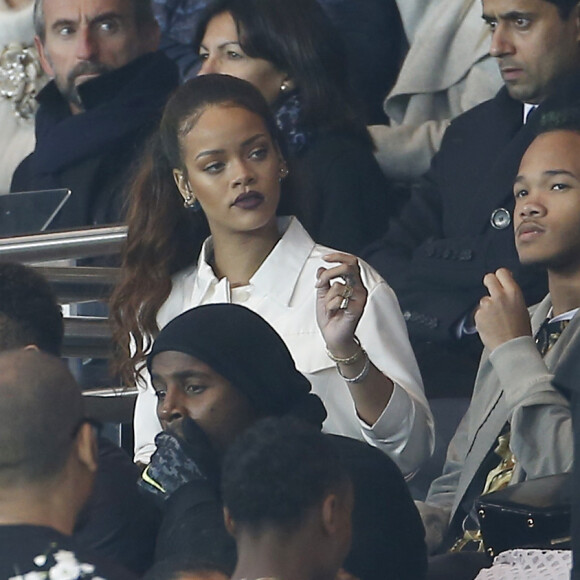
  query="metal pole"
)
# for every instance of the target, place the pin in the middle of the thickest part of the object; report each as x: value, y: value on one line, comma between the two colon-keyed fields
x: 63, y: 245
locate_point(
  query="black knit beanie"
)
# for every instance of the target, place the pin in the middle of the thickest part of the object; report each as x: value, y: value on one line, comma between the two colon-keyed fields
x: 244, y: 349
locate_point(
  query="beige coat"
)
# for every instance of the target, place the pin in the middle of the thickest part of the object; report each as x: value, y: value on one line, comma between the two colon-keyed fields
x: 513, y: 383
x: 447, y: 71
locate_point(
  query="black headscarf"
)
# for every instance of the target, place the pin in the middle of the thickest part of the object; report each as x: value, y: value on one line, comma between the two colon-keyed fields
x: 244, y: 349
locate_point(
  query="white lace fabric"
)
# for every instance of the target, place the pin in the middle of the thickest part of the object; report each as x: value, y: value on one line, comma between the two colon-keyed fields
x: 529, y: 565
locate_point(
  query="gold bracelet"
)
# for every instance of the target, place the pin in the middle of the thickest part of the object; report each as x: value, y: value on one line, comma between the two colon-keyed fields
x: 349, y: 360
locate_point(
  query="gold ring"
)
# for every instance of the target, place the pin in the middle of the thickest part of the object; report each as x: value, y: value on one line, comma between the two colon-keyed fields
x: 348, y: 290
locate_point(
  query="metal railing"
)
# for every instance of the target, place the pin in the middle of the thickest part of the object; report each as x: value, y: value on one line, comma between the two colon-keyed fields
x: 63, y: 245
x: 110, y: 405
x: 80, y: 283
x: 85, y: 337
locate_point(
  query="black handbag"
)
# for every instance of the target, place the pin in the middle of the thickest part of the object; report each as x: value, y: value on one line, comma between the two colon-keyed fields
x: 531, y: 514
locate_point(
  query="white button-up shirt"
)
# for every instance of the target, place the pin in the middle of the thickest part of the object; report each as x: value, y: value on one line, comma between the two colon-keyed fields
x: 282, y: 291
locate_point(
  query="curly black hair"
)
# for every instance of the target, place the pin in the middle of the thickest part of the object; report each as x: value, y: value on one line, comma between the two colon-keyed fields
x: 564, y: 119
x: 276, y: 471
x: 29, y: 312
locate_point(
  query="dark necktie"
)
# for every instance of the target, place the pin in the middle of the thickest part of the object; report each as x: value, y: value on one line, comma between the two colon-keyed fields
x: 548, y: 334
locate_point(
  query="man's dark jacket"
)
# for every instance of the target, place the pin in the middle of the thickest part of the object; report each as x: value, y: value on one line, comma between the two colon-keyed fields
x: 437, y: 252
x: 91, y: 153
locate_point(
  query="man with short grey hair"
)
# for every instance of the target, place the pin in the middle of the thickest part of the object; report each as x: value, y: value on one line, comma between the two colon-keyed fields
x: 109, y: 85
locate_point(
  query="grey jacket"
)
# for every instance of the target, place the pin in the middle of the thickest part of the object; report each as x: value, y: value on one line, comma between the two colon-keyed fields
x: 513, y: 384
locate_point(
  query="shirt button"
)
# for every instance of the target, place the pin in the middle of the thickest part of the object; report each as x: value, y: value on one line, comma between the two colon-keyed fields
x: 500, y: 218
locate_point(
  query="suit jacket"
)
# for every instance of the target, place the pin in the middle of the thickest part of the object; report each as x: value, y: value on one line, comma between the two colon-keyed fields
x: 437, y: 252
x: 447, y: 71
x: 513, y: 384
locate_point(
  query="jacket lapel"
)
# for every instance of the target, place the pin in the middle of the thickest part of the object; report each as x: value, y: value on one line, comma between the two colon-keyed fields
x: 509, y: 139
x: 487, y: 426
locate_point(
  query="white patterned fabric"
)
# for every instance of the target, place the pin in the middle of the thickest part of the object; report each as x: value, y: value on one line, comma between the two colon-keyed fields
x: 529, y: 565
x: 17, y: 135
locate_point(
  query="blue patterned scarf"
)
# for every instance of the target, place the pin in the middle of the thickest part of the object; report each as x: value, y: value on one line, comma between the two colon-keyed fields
x: 288, y: 118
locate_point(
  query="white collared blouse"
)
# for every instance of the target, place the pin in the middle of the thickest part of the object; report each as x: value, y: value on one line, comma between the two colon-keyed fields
x: 282, y: 291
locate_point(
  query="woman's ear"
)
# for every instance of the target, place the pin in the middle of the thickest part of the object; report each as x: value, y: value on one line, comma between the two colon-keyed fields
x: 283, y: 171
x: 182, y: 184
x: 287, y: 85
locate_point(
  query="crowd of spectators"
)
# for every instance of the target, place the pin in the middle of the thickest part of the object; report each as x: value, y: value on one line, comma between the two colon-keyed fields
x: 289, y: 393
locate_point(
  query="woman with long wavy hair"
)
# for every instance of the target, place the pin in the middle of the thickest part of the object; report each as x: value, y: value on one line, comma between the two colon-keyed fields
x: 215, y: 169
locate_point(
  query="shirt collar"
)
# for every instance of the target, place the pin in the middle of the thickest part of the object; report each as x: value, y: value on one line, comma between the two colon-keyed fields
x: 528, y: 109
x: 564, y: 316
x: 276, y: 277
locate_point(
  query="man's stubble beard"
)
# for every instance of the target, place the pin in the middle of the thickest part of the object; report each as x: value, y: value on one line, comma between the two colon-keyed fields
x: 68, y: 87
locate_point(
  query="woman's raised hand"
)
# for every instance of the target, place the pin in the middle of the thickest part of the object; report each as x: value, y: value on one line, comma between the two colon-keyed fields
x: 341, y: 298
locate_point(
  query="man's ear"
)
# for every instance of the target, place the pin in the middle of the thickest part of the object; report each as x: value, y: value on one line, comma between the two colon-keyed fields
x: 330, y: 513
x: 87, y: 452
x: 229, y: 522
x: 337, y: 509
x: 44, y: 61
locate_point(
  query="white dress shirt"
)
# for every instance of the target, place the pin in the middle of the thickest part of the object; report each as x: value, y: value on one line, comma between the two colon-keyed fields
x: 282, y: 291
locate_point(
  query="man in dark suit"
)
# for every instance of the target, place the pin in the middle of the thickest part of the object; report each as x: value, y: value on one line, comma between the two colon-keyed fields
x: 456, y: 227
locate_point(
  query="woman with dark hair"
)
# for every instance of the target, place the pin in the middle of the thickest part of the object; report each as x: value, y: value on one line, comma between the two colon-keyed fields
x: 216, y: 370
x: 292, y: 53
x: 216, y: 154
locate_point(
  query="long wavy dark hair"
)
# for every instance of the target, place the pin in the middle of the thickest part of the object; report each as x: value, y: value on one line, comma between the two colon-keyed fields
x: 297, y: 37
x: 163, y: 236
